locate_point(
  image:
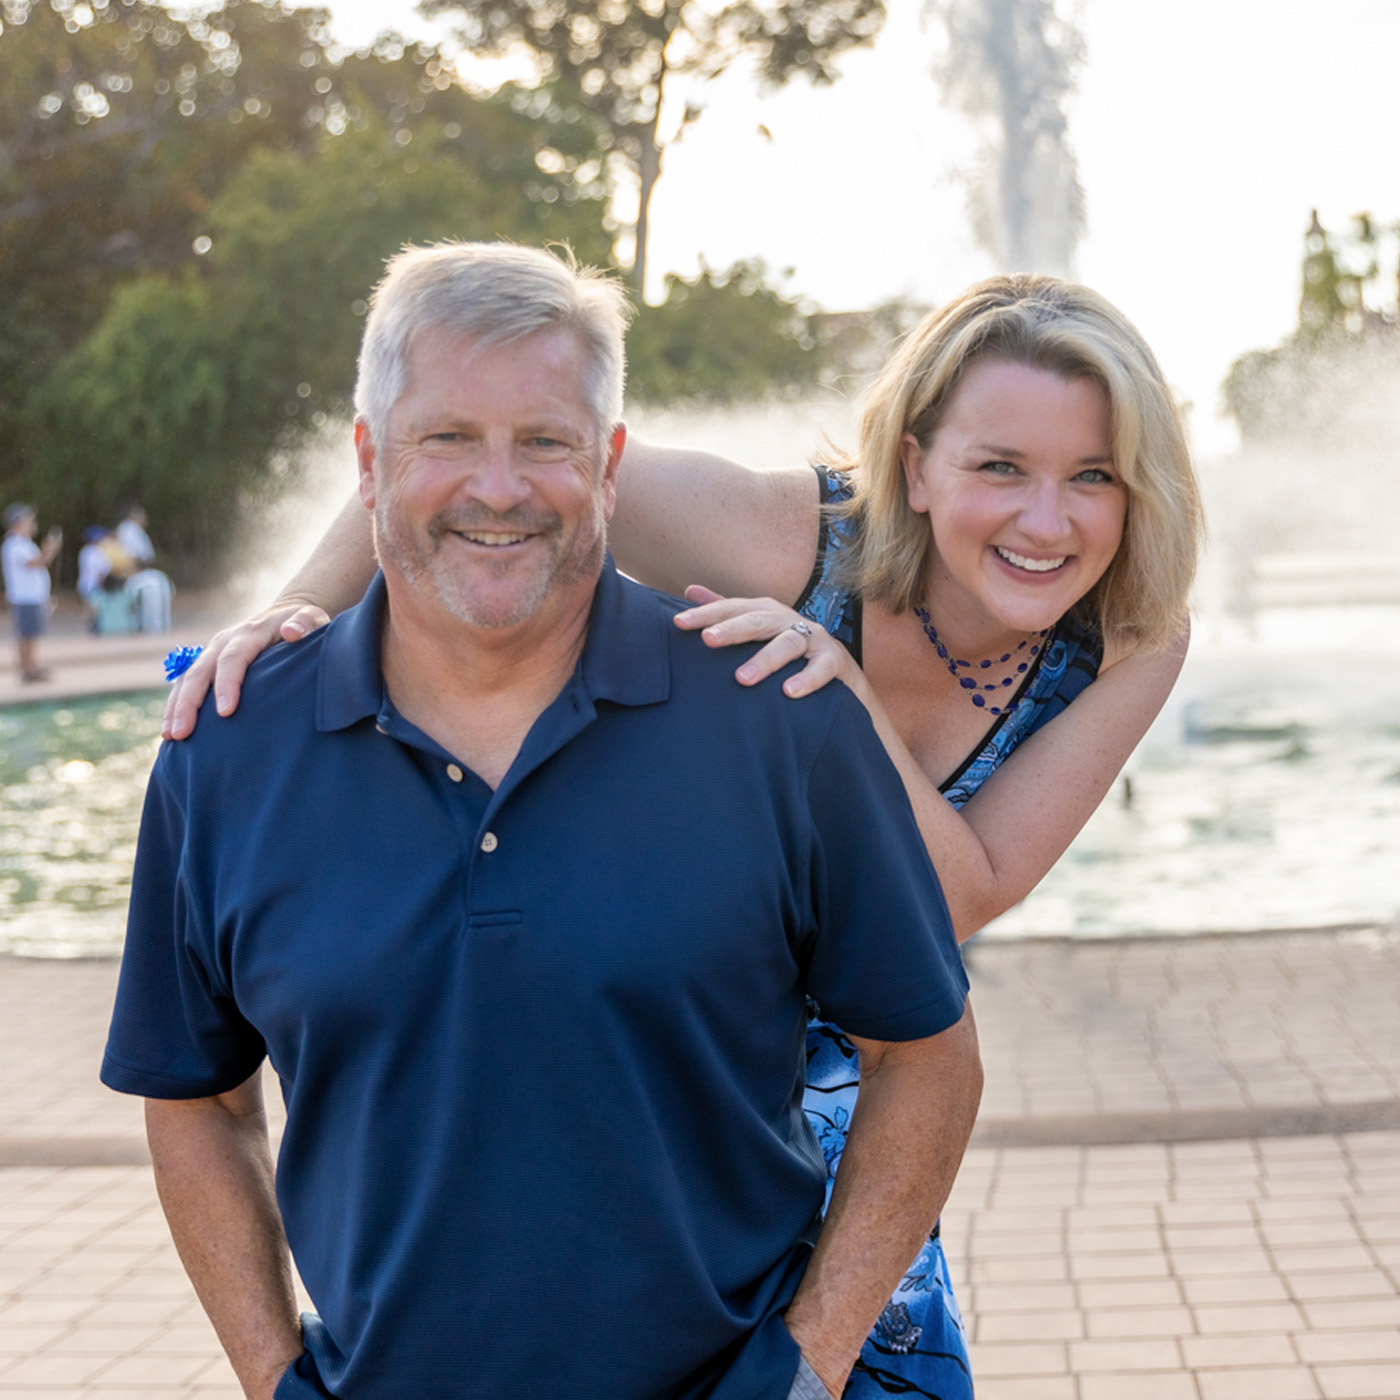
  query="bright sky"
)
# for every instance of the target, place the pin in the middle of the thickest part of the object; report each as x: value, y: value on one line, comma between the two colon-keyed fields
x: 1206, y: 132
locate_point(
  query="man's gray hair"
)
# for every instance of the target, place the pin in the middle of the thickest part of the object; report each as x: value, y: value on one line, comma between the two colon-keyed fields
x: 493, y: 292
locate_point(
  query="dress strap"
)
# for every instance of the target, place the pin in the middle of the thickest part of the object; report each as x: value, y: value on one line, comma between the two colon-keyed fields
x: 825, y: 600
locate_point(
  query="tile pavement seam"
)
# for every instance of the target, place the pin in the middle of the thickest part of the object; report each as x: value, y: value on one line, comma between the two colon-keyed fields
x: 1059, y: 1130
x: 1185, y: 1125
x: 74, y: 1151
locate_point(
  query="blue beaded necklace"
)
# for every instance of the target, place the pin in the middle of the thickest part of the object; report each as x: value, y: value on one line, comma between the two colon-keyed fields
x: 979, y: 690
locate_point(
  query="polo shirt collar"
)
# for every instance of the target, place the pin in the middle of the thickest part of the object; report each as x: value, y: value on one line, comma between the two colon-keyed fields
x: 350, y: 683
x: 626, y: 655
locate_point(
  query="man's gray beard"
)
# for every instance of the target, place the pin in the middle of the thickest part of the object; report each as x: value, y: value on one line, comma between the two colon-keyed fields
x: 426, y: 571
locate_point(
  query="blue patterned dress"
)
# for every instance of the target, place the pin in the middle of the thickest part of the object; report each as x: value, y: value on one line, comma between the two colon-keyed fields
x: 918, y: 1346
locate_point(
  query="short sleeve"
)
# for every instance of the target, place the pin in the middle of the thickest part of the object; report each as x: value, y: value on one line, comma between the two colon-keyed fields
x: 885, y: 963
x: 176, y: 1033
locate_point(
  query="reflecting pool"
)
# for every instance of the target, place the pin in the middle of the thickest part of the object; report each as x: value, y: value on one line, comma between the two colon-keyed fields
x: 1266, y: 796
x: 72, y: 777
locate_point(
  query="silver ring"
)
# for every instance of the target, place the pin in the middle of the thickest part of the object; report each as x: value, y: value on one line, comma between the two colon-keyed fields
x: 802, y: 628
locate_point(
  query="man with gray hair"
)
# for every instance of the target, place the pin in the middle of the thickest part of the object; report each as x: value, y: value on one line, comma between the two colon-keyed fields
x: 522, y: 897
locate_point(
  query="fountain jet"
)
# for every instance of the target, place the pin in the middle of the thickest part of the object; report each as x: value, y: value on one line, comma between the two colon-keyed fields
x: 1011, y: 66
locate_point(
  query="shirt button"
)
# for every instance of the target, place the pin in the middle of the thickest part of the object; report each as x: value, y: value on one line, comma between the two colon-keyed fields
x: 489, y: 842
x: 454, y: 772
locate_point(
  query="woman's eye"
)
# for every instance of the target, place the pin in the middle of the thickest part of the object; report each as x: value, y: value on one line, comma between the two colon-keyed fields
x: 1095, y: 476
x: 999, y: 468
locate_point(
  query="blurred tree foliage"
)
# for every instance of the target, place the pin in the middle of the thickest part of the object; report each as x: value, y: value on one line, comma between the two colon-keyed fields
x: 192, y: 211
x: 244, y: 349
x: 612, y: 60
x: 720, y: 338
x: 1317, y: 379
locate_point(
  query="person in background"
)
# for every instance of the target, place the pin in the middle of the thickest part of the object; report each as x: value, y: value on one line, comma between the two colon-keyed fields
x: 120, y: 565
x: 94, y: 568
x: 149, y: 589
x: 132, y: 536
x: 27, y: 583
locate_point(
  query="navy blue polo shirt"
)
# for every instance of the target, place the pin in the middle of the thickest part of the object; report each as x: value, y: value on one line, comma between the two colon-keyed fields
x: 541, y: 1048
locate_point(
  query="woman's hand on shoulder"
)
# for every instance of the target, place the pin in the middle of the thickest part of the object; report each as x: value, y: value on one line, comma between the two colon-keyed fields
x: 225, y: 661
x: 724, y: 622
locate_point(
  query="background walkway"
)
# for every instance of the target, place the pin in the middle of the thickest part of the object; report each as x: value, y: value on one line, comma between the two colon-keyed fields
x: 82, y: 664
x: 1185, y: 1184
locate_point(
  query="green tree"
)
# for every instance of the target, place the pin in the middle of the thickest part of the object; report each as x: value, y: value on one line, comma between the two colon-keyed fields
x: 1345, y: 344
x: 721, y: 338
x: 168, y: 186
x: 119, y: 123
x: 193, y: 209
x: 1328, y: 290
x: 1340, y: 276
x: 612, y: 60
x: 142, y: 407
x: 196, y: 386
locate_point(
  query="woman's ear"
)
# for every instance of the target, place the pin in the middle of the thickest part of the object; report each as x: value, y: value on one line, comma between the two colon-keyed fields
x: 913, y: 457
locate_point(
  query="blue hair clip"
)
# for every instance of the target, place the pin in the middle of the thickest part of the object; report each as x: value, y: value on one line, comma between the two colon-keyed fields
x: 179, y: 661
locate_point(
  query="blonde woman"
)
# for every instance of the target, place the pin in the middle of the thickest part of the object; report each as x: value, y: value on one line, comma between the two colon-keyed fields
x: 1000, y: 574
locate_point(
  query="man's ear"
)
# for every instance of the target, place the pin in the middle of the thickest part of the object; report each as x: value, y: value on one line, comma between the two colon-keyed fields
x: 615, y: 446
x: 365, y: 456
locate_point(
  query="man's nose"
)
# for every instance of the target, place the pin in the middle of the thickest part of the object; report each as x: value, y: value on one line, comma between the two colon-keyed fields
x: 496, y: 479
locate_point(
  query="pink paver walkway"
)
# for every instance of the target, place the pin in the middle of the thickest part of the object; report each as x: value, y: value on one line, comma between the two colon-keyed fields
x: 1114, y: 1237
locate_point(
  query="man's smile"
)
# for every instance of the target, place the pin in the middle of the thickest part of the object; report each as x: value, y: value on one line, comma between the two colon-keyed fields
x: 492, y: 539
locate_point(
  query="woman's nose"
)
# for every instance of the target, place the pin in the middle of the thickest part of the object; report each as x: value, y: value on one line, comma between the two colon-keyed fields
x: 1045, y: 516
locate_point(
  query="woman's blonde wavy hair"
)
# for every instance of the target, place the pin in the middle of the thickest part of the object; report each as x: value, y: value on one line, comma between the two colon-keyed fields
x: 1048, y: 324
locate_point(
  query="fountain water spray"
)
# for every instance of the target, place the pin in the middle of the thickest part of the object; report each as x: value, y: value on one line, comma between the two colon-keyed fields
x: 1011, y: 66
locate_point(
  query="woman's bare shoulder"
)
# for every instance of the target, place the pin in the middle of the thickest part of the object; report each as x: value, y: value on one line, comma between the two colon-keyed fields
x: 1162, y: 662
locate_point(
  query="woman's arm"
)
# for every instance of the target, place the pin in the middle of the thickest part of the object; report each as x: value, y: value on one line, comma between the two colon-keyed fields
x: 339, y: 569
x: 990, y: 854
x: 1027, y: 813
x: 680, y: 516
x: 687, y: 517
